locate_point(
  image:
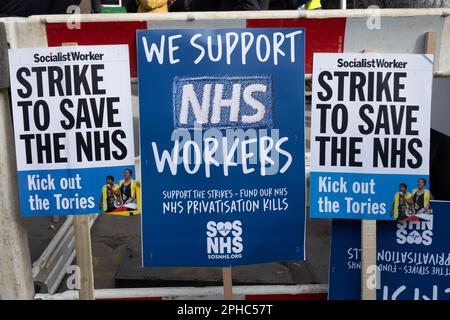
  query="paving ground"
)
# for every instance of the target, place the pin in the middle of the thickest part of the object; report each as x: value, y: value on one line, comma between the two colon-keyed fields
x: 116, y: 258
x: 116, y: 250
x: 41, y: 231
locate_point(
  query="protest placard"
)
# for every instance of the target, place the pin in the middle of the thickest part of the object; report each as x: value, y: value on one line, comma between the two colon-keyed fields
x: 413, y: 257
x: 222, y: 142
x: 73, y: 129
x: 370, y: 135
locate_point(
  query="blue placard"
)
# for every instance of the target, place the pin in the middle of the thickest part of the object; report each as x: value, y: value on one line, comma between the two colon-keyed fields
x: 413, y: 258
x: 222, y: 146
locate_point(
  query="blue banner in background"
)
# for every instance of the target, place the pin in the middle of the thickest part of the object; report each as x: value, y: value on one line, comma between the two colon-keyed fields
x: 413, y: 257
x: 222, y: 146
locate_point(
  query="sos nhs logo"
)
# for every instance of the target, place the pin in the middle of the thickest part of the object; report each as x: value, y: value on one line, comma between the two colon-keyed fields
x: 416, y: 232
x: 224, y: 239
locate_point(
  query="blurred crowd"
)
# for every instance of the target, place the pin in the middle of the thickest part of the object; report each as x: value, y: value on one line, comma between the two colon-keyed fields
x: 35, y: 7
x: 228, y: 5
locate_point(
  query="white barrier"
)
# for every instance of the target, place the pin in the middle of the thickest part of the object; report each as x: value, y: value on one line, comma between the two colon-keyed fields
x: 185, y: 293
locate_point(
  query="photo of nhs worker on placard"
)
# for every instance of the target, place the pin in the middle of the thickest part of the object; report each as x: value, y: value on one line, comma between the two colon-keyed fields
x: 119, y: 196
x: 412, y: 206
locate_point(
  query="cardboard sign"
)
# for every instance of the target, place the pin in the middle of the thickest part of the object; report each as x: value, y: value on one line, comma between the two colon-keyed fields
x: 222, y: 146
x: 73, y: 129
x: 413, y: 257
x: 370, y: 135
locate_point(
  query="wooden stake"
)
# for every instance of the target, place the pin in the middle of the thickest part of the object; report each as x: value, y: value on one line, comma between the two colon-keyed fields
x: 227, y: 283
x: 368, y: 259
x: 368, y: 252
x: 430, y: 42
x: 84, y: 256
x: 83, y: 248
x: 85, y: 6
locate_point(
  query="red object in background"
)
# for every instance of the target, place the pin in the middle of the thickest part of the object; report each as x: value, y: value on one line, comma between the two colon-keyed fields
x: 321, y: 35
x: 412, y: 218
x: 98, y: 33
x: 121, y: 209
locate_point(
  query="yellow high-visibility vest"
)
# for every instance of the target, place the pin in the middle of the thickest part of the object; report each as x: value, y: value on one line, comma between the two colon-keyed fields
x: 130, y: 212
x: 115, y: 187
x: 133, y: 186
x: 313, y: 4
x: 426, y: 197
x: 397, y: 201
